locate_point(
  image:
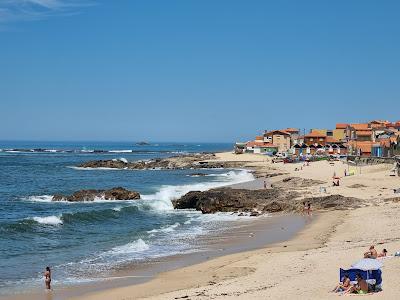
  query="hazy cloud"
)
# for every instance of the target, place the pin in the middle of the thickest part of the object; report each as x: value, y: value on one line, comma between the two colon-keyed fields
x: 25, y: 10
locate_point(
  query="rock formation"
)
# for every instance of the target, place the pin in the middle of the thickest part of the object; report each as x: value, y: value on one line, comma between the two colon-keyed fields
x: 117, y: 193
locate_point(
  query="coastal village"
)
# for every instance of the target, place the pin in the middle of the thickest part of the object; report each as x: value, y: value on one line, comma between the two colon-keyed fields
x: 377, y: 138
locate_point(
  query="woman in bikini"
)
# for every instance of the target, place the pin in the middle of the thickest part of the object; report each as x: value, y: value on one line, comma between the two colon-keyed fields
x: 47, y: 278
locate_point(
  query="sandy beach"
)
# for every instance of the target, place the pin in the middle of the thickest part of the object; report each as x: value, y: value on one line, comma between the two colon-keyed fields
x: 306, y: 266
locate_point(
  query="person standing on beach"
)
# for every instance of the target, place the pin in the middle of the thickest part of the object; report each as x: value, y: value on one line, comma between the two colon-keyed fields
x: 47, y: 278
x: 265, y: 184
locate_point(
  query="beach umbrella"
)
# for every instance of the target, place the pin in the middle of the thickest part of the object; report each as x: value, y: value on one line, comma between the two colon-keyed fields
x: 367, y: 264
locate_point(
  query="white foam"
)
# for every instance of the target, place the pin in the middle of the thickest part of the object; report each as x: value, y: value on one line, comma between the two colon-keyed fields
x: 168, y: 228
x: 161, y: 200
x: 117, y: 208
x: 133, y: 247
x: 120, y: 151
x: 91, y: 169
x: 50, y: 220
x: 42, y: 198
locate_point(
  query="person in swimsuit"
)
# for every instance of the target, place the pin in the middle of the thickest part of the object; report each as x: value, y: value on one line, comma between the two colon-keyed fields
x: 361, y: 287
x: 47, y: 278
x: 371, y: 253
x: 343, y: 286
x: 383, y: 254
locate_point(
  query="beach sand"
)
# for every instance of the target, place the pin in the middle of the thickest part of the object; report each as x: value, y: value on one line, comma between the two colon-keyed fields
x: 305, y: 267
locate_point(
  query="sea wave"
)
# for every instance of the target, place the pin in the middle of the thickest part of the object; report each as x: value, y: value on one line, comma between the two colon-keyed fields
x: 50, y: 220
x: 133, y: 247
x: 40, y: 198
x: 120, y: 151
x: 167, y: 228
x: 161, y: 200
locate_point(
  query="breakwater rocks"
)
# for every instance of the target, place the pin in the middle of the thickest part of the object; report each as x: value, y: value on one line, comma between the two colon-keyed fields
x: 117, y: 193
x: 194, y: 161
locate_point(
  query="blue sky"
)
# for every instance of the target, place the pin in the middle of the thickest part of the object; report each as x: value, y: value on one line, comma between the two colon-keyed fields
x: 194, y: 70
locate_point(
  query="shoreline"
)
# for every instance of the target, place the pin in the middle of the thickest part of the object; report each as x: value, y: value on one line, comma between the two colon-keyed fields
x: 319, y: 249
x: 286, y: 270
x: 210, y: 272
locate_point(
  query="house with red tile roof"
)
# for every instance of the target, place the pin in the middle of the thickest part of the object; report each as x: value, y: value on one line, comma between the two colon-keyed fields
x: 315, y: 138
x: 280, y: 138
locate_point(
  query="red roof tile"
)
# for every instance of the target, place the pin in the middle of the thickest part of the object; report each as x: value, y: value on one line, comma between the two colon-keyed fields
x: 315, y: 134
x: 360, y: 126
x: 332, y: 140
x: 291, y: 130
x: 341, y: 125
x: 273, y: 132
x: 363, y: 132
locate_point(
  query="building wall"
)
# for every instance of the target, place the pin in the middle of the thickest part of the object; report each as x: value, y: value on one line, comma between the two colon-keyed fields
x: 339, y: 134
x: 315, y: 140
x: 282, y: 141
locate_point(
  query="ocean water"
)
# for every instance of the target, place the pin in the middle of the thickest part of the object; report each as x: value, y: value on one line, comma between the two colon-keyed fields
x: 84, y: 241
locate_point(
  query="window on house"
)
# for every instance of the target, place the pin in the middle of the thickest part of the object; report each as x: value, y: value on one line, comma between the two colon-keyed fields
x: 311, y: 139
x: 321, y: 139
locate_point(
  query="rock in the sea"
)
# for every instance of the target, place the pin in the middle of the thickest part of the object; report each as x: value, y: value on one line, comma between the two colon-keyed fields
x: 117, y: 193
x: 265, y: 201
x: 228, y: 200
x: 190, y: 161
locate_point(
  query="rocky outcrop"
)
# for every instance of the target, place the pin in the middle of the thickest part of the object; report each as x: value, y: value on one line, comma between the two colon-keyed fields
x: 117, y: 193
x: 193, y: 161
x: 259, y: 201
x: 235, y: 200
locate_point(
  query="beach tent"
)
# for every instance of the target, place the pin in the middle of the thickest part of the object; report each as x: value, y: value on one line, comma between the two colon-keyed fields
x: 367, y: 264
x: 369, y: 269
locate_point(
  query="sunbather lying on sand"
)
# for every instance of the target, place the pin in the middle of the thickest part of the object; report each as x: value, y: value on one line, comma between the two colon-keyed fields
x: 383, y: 254
x: 344, y: 285
x: 371, y: 253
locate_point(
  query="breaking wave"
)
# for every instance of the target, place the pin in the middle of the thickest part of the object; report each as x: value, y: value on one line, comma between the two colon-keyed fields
x: 50, y: 220
x: 161, y: 200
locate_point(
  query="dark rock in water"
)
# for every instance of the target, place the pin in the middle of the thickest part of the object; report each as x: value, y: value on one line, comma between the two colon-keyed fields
x: 197, y: 174
x: 192, y: 161
x: 254, y: 214
x: 228, y: 200
x: 143, y: 144
x: 117, y: 193
x: 265, y: 201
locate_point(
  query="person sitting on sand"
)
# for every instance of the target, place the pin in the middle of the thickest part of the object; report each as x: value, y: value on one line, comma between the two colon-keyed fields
x: 383, y: 254
x: 371, y: 253
x: 360, y: 288
x: 47, y: 278
x: 343, y: 286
